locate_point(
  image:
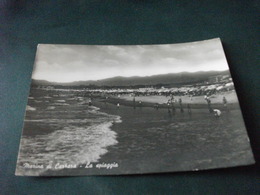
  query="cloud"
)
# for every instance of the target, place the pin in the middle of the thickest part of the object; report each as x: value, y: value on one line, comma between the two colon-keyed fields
x: 66, y: 63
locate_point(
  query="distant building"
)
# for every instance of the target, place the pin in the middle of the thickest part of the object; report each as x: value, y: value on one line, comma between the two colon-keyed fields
x: 49, y: 87
x: 218, y: 78
x: 215, y: 79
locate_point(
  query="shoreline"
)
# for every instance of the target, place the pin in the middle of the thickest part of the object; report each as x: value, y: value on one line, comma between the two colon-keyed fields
x: 153, y: 140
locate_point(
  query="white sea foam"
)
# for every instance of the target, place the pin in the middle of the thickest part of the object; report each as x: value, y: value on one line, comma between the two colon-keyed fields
x: 74, y: 98
x: 61, y: 101
x: 77, y: 142
x: 94, y: 109
x: 31, y: 120
x: 61, y: 104
x: 50, y: 107
x: 30, y: 108
x: 83, y: 102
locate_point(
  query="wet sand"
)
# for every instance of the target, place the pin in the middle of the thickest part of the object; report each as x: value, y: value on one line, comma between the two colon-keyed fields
x: 151, y: 141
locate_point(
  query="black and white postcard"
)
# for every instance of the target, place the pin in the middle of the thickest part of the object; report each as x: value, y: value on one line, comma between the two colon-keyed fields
x: 131, y: 109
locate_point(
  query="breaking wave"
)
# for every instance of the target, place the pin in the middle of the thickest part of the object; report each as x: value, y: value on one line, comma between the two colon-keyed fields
x: 76, y: 141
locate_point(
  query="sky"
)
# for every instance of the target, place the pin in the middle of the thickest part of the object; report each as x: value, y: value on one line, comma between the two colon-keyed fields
x: 68, y: 63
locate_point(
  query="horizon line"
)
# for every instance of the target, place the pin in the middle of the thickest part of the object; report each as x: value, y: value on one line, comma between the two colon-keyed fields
x: 129, y: 76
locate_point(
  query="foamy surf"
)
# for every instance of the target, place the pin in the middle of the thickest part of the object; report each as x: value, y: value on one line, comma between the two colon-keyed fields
x: 50, y: 108
x: 62, y: 101
x: 30, y: 108
x: 80, y: 141
x: 60, y: 104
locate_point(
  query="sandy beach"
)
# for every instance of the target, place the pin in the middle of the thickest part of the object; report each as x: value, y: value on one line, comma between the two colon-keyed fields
x: 196, y: 102
x: 215, y: 99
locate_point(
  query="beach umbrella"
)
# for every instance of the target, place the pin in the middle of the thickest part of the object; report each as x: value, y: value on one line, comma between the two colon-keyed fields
x: 219, y: 88
x: 229, y: 84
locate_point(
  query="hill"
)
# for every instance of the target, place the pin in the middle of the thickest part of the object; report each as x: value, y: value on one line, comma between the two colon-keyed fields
x: 163, y: 79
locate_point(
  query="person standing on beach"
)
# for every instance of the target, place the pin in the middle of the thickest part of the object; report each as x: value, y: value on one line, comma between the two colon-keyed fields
x: 189, y: 105
x: 140, y: 104
x: 206, y: 97
x: 168, y: 106
x: 134, y: 102
x: 189, y: 108
x: 180, y: 102
x: 225, y: 103
x: 172, y: 104
x: 157, y: 106
x: 118, y: 105
x: 209, y: 105
x: 90, y: 102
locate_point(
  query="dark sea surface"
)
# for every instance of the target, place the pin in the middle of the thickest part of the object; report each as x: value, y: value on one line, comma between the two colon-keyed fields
x: 62, y: 128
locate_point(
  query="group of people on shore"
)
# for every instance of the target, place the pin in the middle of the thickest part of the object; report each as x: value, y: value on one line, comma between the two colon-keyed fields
x: 171, y: 105
x: 172, y: 108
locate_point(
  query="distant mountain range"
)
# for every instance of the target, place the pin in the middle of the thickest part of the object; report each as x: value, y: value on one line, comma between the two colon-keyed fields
x: 166, y: 79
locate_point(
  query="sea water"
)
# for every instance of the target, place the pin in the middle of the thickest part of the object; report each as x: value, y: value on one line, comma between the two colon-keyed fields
x: 63, y: 131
